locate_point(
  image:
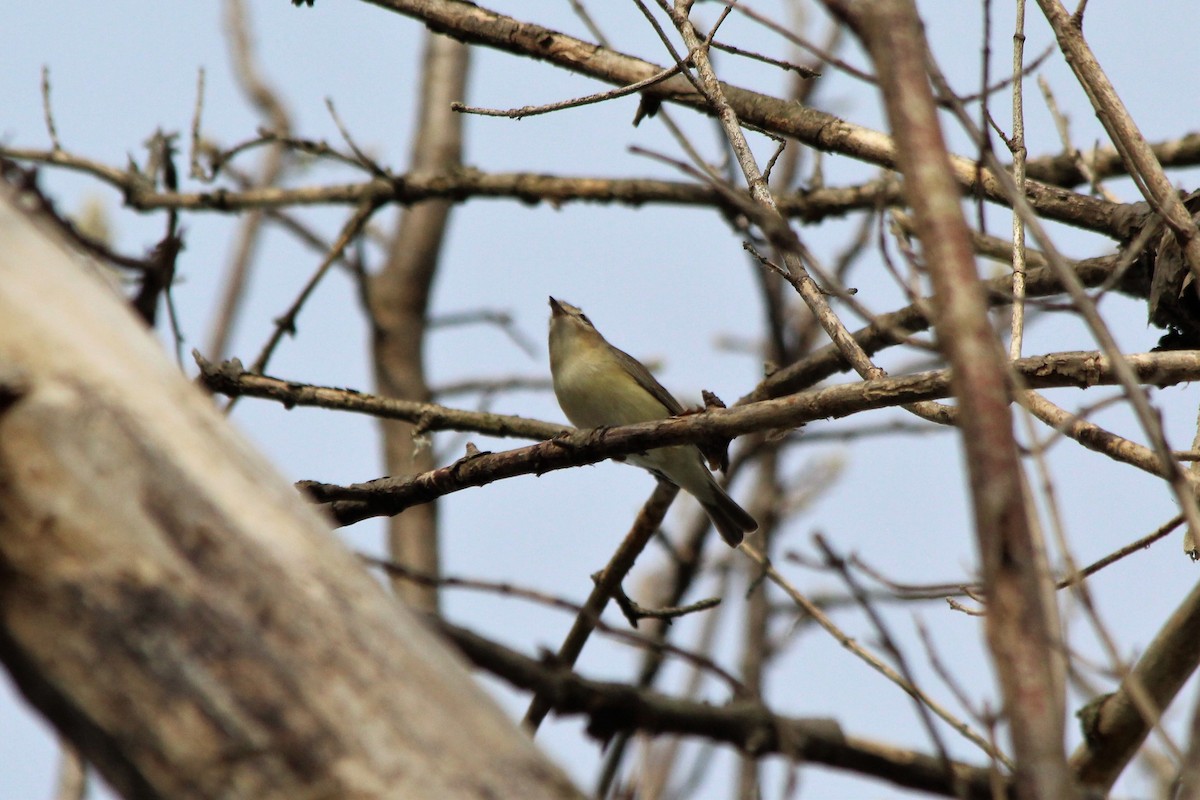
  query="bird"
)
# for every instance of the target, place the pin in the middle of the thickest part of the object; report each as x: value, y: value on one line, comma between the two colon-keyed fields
x: 598, y: 385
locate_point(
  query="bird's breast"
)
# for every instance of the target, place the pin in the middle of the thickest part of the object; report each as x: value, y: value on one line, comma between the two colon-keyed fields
x: 594, y: 390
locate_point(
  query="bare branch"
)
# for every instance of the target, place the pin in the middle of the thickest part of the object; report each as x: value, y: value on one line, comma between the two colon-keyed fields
x: 391, y: 496
x: 613, y: 707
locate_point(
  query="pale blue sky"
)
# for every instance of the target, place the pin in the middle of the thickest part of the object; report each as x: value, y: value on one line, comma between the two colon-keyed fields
x: 663, y: 284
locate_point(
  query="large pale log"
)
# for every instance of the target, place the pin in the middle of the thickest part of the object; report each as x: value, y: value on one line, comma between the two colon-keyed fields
x: 174, y: 608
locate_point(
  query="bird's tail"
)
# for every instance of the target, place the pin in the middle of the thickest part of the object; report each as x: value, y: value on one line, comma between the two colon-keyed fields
x: 730, y: 519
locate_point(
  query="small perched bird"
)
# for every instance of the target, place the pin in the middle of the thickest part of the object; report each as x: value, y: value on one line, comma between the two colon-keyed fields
x: 598, y: 385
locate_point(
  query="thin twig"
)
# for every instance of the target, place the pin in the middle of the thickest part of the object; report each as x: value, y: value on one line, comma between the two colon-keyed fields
x: 598, y: 97
x: 871, y: 659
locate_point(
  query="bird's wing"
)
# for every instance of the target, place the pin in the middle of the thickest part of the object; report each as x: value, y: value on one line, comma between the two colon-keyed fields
x: 647, y: 382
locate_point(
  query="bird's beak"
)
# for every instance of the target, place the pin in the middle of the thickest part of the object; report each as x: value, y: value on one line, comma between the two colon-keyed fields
x: 556, y: 308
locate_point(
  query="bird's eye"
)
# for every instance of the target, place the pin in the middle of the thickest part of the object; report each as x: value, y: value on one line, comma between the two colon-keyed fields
x: 584, y: 317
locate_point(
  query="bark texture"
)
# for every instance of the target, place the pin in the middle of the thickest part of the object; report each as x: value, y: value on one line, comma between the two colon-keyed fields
x: 175, y: 610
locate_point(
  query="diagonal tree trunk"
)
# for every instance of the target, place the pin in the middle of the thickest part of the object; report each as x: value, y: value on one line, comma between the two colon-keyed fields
x: 174, y: 608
